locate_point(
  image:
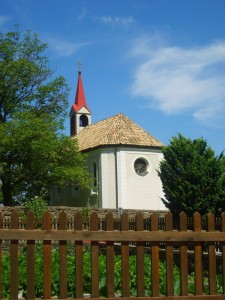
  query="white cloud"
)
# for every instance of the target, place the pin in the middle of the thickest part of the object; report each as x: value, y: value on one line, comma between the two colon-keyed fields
x: 122, y: 21
x: 177, y: 80
x: 64, y: 47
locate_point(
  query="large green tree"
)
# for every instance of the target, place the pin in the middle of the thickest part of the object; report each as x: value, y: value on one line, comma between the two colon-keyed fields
x: 193, y: 177
x: 34, y: 154
x: 26, y: 77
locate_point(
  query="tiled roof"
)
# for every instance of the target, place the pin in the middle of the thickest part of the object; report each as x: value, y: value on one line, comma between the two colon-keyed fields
x: 116, y: 130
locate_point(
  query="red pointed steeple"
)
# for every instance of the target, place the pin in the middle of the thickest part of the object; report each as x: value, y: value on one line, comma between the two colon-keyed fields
x: 80, y: 114
x: 80, y: 100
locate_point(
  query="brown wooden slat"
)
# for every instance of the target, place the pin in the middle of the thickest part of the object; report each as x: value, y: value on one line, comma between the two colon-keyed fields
x: 190, y: 297
x: 31, y: 258
x: 169, y: 258
x: 79, y: 257
x: 145, y: 236
x: 198, y: 256
x: 155, y: 257
x: 212, y: 257
x: 140, y: 236
x: 63, y: 278
x: 47, y: 260
x: 94, y: 258
x: 125, y: 258
x: 223, y: 249
x: 1, y: 225
x: 183, y: 257
x: 14, y: 249
x: 140, y: 258
x: 109, y: 258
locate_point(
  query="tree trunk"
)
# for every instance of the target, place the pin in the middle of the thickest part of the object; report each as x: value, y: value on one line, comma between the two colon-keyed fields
x: 7, y: 193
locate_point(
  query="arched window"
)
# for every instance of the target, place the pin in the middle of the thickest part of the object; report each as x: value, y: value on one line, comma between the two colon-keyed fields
x: 83, y: 121
x: 72, y: 125
x: 94, y: 171
x: 95, y: 174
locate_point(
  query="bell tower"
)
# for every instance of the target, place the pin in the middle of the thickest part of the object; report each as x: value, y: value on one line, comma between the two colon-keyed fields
x: 80, y: 114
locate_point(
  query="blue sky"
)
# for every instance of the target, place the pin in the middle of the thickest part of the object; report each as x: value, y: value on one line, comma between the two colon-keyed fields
x: 160, y: 62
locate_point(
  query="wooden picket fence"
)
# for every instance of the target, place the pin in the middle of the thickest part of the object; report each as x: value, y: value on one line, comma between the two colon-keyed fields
x: 152, y: 240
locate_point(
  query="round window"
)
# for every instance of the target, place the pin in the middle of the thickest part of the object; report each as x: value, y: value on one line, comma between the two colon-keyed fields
x: 141, y: 166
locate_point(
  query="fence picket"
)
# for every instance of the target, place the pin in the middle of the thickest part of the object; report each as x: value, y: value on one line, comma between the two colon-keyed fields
x: 110, y: 258
x: 198, y: 256
x: 14, y: 249
x: 140, y: 257
x: 212, y: 257
x: 31, y: 224
x: 94, y: 258
x: 155, y: 257
x: 169, y: 258
x: 223, y: 249
x: 63, y: 278
x: 1, y: 226
x: 47, y: 260
x: 125, y: 258
x: 183, y: 257
x: 79, y: 257
x: 137, y: 237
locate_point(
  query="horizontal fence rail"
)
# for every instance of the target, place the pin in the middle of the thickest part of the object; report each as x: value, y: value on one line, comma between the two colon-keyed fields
x: 75, y: 235
x: 111, y: 261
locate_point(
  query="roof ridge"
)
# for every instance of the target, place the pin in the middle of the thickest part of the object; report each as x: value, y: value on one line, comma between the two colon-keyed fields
x: 107, y: 118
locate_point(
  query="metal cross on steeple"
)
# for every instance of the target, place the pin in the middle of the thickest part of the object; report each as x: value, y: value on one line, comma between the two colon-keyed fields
x: 79, y: 65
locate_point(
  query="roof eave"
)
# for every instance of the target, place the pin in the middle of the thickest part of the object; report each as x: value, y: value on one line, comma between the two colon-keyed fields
x: 121, y: 145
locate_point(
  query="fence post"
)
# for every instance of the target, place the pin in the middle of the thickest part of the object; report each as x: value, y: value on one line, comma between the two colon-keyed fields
x: 30, y: 258
x: 110, y: 258
x: 14, y: 249
x: 183, y: 257
x: 94, y: 258
x: 125, y: 257
x: 79, y: 258
x: 198, y: 256
x: 63, y: 258
x: 212, y: 257
x: 169, y: 258
x: 47, y: 259
x: 223, y: 249
x: 155, y: 257
x: 1, y: 225
x: 140, y: 258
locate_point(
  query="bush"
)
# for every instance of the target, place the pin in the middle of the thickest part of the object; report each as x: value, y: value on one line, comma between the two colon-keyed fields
x: 38, y: 206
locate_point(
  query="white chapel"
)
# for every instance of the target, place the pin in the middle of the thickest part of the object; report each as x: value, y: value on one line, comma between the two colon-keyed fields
x: 122, y: 157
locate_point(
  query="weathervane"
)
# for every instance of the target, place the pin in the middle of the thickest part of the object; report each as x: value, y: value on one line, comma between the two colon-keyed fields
x: 79, y: 65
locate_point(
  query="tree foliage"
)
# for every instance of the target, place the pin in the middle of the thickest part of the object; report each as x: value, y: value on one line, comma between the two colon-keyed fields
x: 25, y: 78
x: 34, y: 154
x: 193, y: 178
